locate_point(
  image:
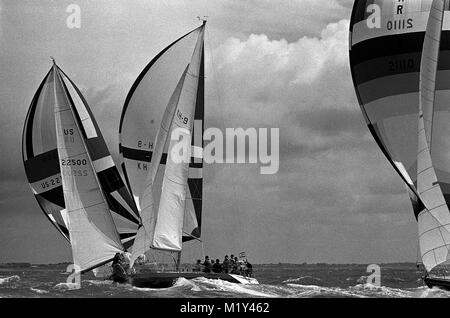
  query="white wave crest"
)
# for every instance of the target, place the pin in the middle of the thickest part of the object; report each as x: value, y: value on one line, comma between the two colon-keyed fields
x: 303, y: 291
x: 67, y: 286
x: 39, y: 291
x: 425, y: 292
x: 299, y: 279
x: 183, y: 282
x: 99, y: 282
x: 221, y: 285
x: 9, y: 280
x: 370, y: 290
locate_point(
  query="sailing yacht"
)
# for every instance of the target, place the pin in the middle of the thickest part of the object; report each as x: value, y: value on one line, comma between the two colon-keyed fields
x: 49, y: 175
x: 80, y: 190
x: 167, y: 99
x: 73, y: 176
x: 401, y: 80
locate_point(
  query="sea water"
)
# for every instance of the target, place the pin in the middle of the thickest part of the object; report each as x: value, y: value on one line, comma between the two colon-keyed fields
x: 276, y: 280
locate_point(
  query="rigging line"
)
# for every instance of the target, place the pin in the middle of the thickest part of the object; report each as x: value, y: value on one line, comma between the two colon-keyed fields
x: 191, y: 236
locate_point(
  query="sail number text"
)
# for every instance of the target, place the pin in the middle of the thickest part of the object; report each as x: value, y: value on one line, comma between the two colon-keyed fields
x: 401, y: 65
x: 73, y: 162
x: 50, y: 183
x: 142, y: 144
x: 184, y: 119
x: 74, y: 172
x: 400, y: 24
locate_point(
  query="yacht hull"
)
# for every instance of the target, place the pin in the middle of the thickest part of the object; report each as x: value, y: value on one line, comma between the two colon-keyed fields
x: 437, y: 282
x: 165, y: 280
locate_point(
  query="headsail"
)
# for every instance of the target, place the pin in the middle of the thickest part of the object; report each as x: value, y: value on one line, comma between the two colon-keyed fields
x: 140, y: 121
x: 94, y: 238
x: 170, y: 218
x: 146, y: 230
x: 395, y: 67
x: 434, y: 221
x: 42, y: 168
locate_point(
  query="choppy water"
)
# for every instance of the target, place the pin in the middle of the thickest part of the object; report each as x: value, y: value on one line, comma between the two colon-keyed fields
x: 285, y: 281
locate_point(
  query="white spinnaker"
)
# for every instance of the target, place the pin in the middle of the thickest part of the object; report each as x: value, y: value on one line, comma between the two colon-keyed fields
x: 170, y: 217
x: 94, y: 237
x: 145, y: 233
x: 434, y: 221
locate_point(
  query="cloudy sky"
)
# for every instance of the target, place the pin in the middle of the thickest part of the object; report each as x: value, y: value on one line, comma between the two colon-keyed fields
x: 270, y: 63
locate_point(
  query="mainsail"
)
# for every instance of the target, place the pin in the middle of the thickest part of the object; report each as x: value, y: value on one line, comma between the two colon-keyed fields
x: 402, y: 85
x: 93, y: 234
x: 175, y: 74
x: 41, y: 160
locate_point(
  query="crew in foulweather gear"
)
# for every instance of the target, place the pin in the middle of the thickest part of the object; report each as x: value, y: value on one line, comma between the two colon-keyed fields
x: 119, y: 274
x: 226, y: 264
x: 235, y: 266
x: 207, y: 265
x: 217, y: 267
x: 197, y: 266
x: 249, y: 269
x: 242, y: 268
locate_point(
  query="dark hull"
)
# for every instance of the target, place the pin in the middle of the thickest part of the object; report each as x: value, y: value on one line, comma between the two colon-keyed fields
x: 165, y: 280
x: 437, y: 282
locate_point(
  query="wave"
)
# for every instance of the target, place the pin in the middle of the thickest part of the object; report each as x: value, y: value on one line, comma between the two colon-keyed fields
x: 9, y: 280
x: 425, y: 292
x: 67, y: 286
x: 183, y: 282
x: 357, y: 291
x: 290, y: 290
x: 302, y: 278
x: 307, y: 291
x: 370, y: 290
x: 99, y: 282
x: 39, y: 291
x: 202, y: 284
x: 225, y: 286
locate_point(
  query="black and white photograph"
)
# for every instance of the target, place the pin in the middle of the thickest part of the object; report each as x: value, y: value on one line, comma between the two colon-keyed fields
x: 237, y: 150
